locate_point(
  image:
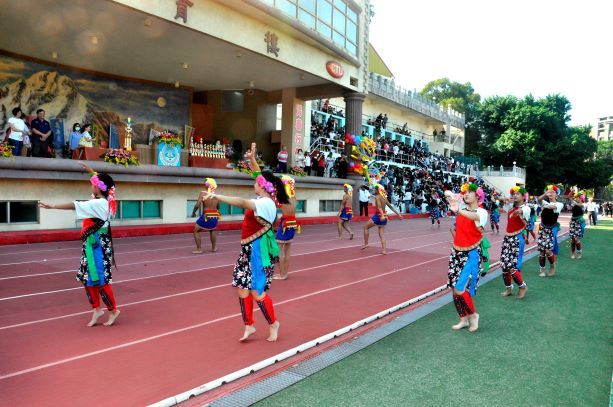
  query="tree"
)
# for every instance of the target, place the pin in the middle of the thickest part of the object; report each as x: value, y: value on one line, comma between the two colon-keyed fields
x: 462, y: 98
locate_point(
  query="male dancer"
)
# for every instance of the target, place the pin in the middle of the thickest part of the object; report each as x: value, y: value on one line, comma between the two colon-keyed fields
x: 512, y: 253
x: 465, y: 260
x: 548, y: 230
x: 209, y: 218
x: 379, y: 218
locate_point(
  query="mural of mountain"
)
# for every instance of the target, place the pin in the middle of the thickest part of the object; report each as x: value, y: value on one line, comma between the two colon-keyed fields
x: 78, y: 97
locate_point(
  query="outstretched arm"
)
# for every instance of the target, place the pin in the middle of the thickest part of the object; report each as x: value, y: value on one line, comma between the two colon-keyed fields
x: 388, y: 204
x: 253, y: 163
x: 231, y: 200
x: 65, y: 206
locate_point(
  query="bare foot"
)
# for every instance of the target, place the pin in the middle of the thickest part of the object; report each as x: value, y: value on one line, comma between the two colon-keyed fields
x: 197, y: 251
x: 279, y: 277
x: 214, y: 250
x: 249, y: 330
x: 383, y: 252
x: 460, y: 325
x: 364, y: 247
x: 112, y: 318
x: 95, y: 316
x: 274, y: 332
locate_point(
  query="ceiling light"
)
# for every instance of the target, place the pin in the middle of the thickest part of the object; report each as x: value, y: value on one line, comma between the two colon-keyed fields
x: 177, y: 84
x: 301, y: 76
x: 94, y: 40
x: 239, y: 54
x: 54, y: 55
x: 148, y: 22
x: 251, y: 84
x: 185, y: 65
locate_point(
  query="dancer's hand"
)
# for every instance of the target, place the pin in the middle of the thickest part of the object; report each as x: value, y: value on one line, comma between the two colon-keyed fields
x: 454, y: 204
x: 45, y: 205
x: 252, y: 152
x: 86, y: 167
x: 208, y: 195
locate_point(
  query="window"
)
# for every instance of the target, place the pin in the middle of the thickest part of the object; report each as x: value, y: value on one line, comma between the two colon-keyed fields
x: 19, y: 212
x: 301, y: 206
x: 278, y: 126
x: 329, y: 205
x: 324, y: 29
x: 140, y: 209
x: 225, y: 209
x: 190, y: 207
x: 324, y: 11
x: 287, y: 6
x: 307, y: 18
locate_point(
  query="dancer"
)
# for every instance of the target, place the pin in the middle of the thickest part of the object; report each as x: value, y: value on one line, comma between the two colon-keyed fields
x: 345, y: 212
x: 210, y: 216
x: 434, y: 211
x: 548, y: 229
x: 529, y: 231
x: 379, y: 218
x: 97, y: 254
x: 495, y: 217
x: 577, y: 225
x: 511, y: 256
x: 288, y: 226
x: 259, y: 250
x: 465, y: 260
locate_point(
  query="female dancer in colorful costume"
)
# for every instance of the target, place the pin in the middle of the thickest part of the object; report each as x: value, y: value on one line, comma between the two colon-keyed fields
x: 577, y: 225
x: 495, y: 217
x: 511, y: 256
x: 466, y: 261
x: 209, y: 218
x: 259, y: 250
x: 548, y: 229
x: 345, y: 212
x: 288, y: 226
x: 97, y: 242
x: 380, y: 217
x: 434, y: 211
x: 530, y: 226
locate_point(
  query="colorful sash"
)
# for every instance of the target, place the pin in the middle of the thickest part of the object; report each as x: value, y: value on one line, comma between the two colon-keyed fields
x: 262, y: 250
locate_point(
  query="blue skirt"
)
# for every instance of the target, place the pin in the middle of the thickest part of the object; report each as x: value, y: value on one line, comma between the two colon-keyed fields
x: 209, y: 224
x: 378, y: 221
x: 344, y: 215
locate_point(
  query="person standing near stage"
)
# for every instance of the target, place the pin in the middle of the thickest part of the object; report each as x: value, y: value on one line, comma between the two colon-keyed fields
x: 97, y: 243
x: 548, y: 229
x: 364, y: 199
x: 511, y: 256
x: 259, y: 251
x: 345, y: 212
x: 282, y: 157
x: 209, y: 218
x: 466, y: 263
x: 577, y: 225
x: 495, y: 216
x: 380, y: 218
x: 288, y: 226
x: 42, y: 136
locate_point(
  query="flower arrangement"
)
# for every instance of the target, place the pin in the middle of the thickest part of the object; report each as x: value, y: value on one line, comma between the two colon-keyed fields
x: 120, y: 157
x: 170, y: 138
x: 297, y: 171
x: 242, y: 166
x: 6, y: 151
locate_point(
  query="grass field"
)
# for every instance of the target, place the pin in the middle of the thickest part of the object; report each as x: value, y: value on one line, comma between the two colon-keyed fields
x: 551, y: 349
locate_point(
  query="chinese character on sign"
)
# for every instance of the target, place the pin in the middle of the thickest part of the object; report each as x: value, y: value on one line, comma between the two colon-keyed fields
x: 272, y: 42
x: 182, y: 6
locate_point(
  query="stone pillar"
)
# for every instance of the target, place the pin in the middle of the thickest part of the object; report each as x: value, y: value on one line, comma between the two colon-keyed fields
x: 292, y: 123
x: 353, y: 125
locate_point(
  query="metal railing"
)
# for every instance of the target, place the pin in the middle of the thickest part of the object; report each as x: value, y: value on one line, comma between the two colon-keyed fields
x: 387, y: 88
x: 504, y: 171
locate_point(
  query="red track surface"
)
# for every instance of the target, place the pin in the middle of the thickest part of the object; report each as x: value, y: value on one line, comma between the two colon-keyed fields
x: 180, y: 317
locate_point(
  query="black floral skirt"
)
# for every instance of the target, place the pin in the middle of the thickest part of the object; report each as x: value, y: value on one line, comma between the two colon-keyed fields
x: 241, y: 277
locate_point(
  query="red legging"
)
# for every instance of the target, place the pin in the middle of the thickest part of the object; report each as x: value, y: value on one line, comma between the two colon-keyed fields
x: 105, y: 292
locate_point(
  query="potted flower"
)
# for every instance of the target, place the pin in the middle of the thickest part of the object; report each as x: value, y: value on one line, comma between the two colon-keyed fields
x: 6, y: 151
x: 297, y: 171
x: 120, y: 157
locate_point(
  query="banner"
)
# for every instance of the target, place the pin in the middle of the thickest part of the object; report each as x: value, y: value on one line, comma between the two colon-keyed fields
x: 169, y: 155
x: 187, y: 135
x: 57, y: 127
x: 113, y: 137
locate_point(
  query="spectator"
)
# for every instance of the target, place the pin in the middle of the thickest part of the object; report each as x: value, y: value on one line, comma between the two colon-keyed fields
x: 42, y: 136
x: 75, y: 137
x: 321, y: 164
x: 18, y: 131
x: 282, y: 158
x: 384, y: 121
x: 300, y: 159
x: 307, y: 163
x: 364, y: 198
x: 329, y: 164
x: 86, y: 138
x: 342, y: 166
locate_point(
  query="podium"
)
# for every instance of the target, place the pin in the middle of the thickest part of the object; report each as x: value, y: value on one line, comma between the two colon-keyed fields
x: 208, y: 162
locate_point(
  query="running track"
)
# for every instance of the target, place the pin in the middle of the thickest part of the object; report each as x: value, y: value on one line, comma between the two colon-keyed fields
x: 180, y: 317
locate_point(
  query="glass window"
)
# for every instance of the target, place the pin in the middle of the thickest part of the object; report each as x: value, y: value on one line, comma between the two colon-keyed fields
x: 152, y: 209
x: 130, y: 209
x: 353, y: 16
x: 224, y: 208
x: 325, y: 30
x: 306, y: 18
x: 324, y: 11
x: 236, y: 210
x: 190, y: 207
x: 352, y: 32
x: 4, y: 217
x: 338, y: 39
x: 308, y: 5
x: 340, y: 4
x: 287, y: 6
x: 301, y: 206
x: 353, y: 50
x: 339, y: 21
x: 23, y: 211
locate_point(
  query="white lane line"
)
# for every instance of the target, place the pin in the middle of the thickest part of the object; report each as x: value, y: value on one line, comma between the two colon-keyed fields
x: 199, y: 325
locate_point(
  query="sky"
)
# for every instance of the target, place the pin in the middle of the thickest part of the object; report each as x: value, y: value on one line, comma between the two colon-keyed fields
x: 517, y: 47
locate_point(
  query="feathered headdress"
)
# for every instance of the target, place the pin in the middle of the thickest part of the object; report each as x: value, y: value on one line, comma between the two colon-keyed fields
x: 290, y: 185
x: 379, y: 189
x: 348, y: 188
x: 553, y: 188
x: 210, y: 184
x: 519, y: 189
x: 465, y: 188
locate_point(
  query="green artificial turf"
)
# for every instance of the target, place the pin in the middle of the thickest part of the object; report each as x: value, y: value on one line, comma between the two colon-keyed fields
x: 552, y: 348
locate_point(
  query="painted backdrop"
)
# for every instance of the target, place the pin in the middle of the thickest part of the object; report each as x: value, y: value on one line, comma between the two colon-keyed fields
x: 80, y: 97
